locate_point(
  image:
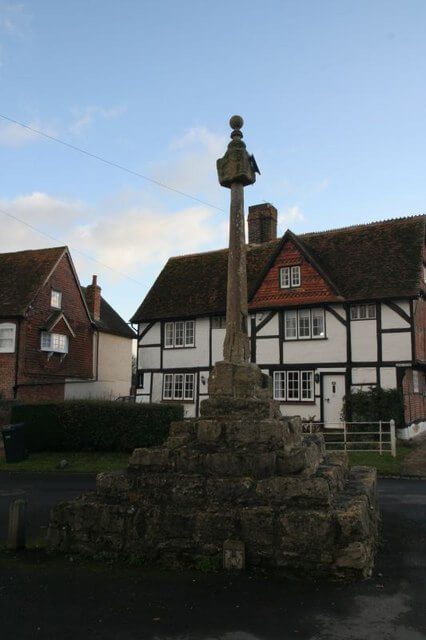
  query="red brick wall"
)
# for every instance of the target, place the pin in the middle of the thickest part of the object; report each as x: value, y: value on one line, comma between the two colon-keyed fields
x: 313, y: 287
x: 414, y: 403
x: 420, y: 329
x: 34, y: 366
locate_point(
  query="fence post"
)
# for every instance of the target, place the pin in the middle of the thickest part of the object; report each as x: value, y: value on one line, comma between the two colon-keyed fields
x: 344, y: 436
x: 393, y: 438
x: 380, y: 438
x: 16, y: 534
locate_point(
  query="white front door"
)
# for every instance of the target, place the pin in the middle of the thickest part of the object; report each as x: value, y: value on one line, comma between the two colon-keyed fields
x: 333, y: 393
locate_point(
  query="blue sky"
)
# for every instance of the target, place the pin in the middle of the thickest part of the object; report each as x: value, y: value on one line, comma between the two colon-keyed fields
x: 333, y: 93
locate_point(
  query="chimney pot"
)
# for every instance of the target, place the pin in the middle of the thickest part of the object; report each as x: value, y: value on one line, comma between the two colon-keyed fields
x: 93, y: 298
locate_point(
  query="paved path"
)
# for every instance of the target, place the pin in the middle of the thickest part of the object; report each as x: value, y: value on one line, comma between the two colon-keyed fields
x: 59, y: 599
x: 414, y: 463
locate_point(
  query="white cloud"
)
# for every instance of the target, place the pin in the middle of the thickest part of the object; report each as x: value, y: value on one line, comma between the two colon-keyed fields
x: 14, y: 135
x: 84, y: 118
x: 14, y: 19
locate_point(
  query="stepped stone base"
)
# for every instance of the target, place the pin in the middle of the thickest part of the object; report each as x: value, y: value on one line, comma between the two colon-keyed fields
x: 254, y: 479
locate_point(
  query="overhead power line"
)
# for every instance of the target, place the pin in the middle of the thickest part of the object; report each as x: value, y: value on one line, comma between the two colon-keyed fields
x: 110, y: 162
x: 82, y: 253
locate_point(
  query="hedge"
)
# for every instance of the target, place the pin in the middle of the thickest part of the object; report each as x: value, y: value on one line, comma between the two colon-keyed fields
x: 95, y: 425
x: 374, y: 405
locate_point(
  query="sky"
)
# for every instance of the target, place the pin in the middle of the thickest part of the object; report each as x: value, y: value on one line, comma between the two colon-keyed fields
x: 333, y: 94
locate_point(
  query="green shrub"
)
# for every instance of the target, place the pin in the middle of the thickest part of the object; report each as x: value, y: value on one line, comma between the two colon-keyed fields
x: 374, y: 405
x: 95, y: 425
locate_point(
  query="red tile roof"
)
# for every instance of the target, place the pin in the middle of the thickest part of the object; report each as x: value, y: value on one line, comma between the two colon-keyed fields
x: 370, y: 261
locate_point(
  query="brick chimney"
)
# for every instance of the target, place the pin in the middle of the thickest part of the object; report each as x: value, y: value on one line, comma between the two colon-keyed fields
x: 93, y: 298
x: 262, y: 223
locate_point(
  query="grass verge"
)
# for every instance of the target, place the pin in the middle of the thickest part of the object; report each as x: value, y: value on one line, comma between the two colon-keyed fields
x: 385, y: 464
x: 78, y: 462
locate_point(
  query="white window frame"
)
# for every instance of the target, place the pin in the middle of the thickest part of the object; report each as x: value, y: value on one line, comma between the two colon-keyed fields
x: 296, y: 278
x: 285, y: 277
x: 8, y: 326
x: 281, y: 385
x: 296, y: 313
x: 179, y: 386
x: 54, y: 293
x: 169, y: 335
x: 304, y: 314
x: 51, y: 342
x: 370, y: 311
x: 168, y: 383
x: 179, y: 334
x: 290, y: 313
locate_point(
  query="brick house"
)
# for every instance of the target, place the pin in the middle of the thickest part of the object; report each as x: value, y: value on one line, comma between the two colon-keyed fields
x: 47, y: 332
x: 329, y: 312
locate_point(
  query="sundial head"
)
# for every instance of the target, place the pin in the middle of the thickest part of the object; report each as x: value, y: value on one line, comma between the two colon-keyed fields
x: 236, y: 166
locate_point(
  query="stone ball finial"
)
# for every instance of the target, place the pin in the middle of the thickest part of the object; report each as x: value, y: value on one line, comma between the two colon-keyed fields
x: 236, y: 122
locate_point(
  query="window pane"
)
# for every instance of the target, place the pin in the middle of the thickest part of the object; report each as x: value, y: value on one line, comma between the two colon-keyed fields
x: 189, y: 333
x: 304, y: 324
x: 179, y: 334
x: 291, y: 325
x: 168, y: 386
x: 189, y: 386
x: 218, y: 322
x: 371, y: 310
x: 45, y: 340
x: 55, y: 299
x: 285, y: 277
x: 292, y: 385
x: 7, y: 339
x: 178, y: 391
x: 168, y: 337
x: 362, y: 311
x: 318, y: 323
x: 307, y: 385
x: 295, y: 276
x: 354, y: 312
x: 279, y: 385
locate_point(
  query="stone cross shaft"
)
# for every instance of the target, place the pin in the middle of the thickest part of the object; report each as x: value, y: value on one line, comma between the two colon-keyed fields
x: 236, y: 170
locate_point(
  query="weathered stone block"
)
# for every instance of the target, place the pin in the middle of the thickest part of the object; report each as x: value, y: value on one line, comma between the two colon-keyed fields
x: 353, y: 517
x: 293, y: 462
x: 215, y: 526
x: 234, y: 555
x: 188, y: 490
x: 209, y: 431
x: 182, y: 427
x: 356, y: 556
x: 231, y: 490
x: 236, y: 380
x: 226, y: 464
x: 227, y: 406
x: 150, y: 459
x: 188, y: 461
x: 283, y: 489
x: 306, y: 532
x: 257, y: 529
x: 113, y: 483
x: 241, y: 433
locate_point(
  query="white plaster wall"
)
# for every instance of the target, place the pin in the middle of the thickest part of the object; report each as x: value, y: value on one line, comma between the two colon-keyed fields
x: 396, y: 346
x: 306, y: 412
x: 218, y: 337
x: 149, y: 357
x: 197, y: 356
x: 391, y: 320
x: 96, y: 390
x: 388, y: 377
x: 333, y: 349
x: 271, y: 328
x: 364, y: 340
x: 153, y: 336
x: 268, y: 351
x: 157, y: 387
x: 364, y: 375
x: 144, y: 399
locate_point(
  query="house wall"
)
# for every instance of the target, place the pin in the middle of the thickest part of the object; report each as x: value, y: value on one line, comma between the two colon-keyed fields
x: 364, y: 352
x: 36, y: 369
x: 113, y: 370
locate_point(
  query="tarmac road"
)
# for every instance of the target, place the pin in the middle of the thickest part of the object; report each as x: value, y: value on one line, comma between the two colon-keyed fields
x: 59, y: 599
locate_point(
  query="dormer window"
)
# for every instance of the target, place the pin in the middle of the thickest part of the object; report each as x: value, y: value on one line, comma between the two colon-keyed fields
x: 290, y: 277
x: 55, y: 299
x: 54, y: 342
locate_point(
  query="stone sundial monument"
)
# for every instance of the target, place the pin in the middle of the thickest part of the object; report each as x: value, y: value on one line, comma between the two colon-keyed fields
x: 241, y: 482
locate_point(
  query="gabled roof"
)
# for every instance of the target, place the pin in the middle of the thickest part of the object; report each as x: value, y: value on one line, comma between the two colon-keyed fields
x: 111, y: 322
x: 370, y: 261
x: 22, y: 274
